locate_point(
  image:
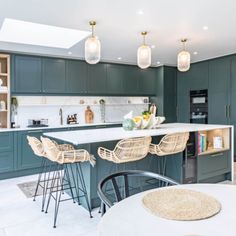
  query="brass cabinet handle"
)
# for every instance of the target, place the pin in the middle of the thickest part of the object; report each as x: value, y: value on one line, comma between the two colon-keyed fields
x: 218, y: 154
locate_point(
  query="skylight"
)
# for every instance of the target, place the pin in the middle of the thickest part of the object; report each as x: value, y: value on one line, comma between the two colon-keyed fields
x: 16, y: 31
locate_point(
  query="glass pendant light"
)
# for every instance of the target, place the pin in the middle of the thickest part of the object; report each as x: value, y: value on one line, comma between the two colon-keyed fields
x: 183, y: 59
x: 144, y: 54
x: 92, y: 47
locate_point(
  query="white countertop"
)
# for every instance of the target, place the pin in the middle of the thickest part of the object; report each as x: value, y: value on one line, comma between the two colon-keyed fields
x: 110, y: 134
x: 58, y: 127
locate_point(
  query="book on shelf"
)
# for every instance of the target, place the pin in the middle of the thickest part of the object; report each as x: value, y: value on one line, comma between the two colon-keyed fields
x: 202, y: 143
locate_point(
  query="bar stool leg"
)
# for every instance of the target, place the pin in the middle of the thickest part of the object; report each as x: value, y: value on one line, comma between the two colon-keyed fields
x: 68, y: 180
x: 60, y: 181
x: 39, y: 177
x: 76, y: 183
x: 80, y: 174
x: 54, y: 177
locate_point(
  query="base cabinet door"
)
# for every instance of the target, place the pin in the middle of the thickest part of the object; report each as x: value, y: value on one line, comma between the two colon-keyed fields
x: 6, y: 162
x: 25, y: 157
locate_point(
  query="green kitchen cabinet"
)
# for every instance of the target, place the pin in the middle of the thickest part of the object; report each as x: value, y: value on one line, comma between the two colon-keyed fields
x: 131, y: 81
x: 213, y: 165
x: 76, y: 77
x: 147, y: 81
x: 6, y: 152
x: 26, y: 74
x: 54, y: 75
x: 232, y: 107
x: 97, y: 79
x: 219, y: 79
x: 25, y: 157
x: 165, y: 88
x: 116, y: 74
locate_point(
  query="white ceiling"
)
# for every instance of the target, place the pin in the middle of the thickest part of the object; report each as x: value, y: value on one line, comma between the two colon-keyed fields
x: 119, y: 26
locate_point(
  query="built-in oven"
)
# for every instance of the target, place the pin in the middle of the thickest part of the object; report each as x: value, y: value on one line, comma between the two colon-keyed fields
x: 199, y: 106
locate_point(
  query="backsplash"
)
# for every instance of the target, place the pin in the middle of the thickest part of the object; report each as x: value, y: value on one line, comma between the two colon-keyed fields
x: 47, y: 107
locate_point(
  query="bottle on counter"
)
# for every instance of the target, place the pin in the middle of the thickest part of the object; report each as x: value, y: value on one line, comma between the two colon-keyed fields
x: 89, y: 115
x: 153, y: 109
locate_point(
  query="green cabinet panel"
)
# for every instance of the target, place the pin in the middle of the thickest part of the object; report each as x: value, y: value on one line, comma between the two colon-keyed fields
x: 76, y: 76
x: 97, y: 79
x: 54, y: 75
x: 131, y: 80
x: 219, y: 79
x: 6, y: 162
x: 116, y: 74
x: 26, y: 76
x: 232, y: 108
x: 183, y: 109
x: 25, y: 157
x: 213, y: 165
x: 6, y: 141
x: 147, y: 81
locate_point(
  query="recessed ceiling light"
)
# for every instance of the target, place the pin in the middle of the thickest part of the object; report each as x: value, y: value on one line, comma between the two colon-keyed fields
x: 205, y: 27
x: 69, y: 53
x: 158, y: 63
x: 119, y: 58
x: 140, y: 12
x: 195, y: 53
x: 16, y: 31
x: 153, y: 46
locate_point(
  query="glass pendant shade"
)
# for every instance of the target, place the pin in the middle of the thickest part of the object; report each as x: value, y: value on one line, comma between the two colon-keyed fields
x: 144, y: 56
x: 184, y: 58
x: 183, y: 61
x: 92, y: 50
x: 92, y: 47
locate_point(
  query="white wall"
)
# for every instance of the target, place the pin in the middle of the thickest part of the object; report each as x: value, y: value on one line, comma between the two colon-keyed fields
x: 38, y: 107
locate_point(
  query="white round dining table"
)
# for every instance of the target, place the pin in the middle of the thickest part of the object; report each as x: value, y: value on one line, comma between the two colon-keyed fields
x: 130, y: 218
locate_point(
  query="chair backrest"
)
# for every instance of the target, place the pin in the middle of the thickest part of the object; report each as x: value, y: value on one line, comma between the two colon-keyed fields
x: 132, y: 149
x: 118, y: 186
x: 172, y: 143
x: 36, y: 146
x: 52, y: 150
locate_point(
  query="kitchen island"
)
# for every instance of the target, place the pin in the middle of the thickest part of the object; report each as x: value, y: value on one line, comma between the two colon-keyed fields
x: 213, y: 165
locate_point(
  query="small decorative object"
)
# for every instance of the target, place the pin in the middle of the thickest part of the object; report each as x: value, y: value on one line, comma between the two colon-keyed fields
x: 145, y: 100
x: 2, y: 105
x: 81, y: 101
x: 217, y: 142
x: 102, y: 109
x: 89, y: 116
x: 1, y: 82
x: 153, y: 109
x: 129, y: 102
x: 146, y: 121
x: 128, y: 124
x: 14, y: 106
x: 72, y: 119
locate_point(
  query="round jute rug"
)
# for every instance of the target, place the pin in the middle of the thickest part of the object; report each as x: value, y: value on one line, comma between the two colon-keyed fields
x: 181, y: 204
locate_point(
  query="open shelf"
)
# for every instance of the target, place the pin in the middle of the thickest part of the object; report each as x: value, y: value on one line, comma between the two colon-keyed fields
x: 213, y: 151
x: 4, y: 93
x: 209, y: 135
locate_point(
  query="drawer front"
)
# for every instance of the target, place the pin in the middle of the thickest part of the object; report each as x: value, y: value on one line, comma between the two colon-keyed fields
x: 213, y: 165
x: 6, y: 141
x: 6, y: 162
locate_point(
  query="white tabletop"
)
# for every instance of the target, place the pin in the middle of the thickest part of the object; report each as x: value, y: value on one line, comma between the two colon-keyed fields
x: 110, y: 134
x: 130, y: 218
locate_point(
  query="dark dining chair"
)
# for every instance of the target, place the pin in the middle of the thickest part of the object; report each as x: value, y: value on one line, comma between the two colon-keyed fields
x: 123, y: 184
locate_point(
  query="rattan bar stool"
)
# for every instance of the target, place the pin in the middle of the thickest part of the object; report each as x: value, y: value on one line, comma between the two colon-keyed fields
x: 170, y: 144
x: 127, y: 150
x: 65, y: 177
x: 46, y: 167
